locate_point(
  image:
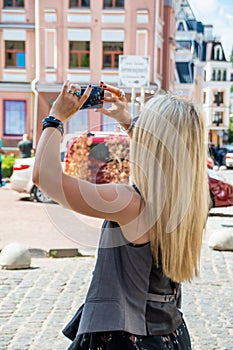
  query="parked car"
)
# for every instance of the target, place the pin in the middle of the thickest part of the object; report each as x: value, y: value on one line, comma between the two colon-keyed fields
x: 102, y: 158
x: 21, y: 180
x: 99, y: 157
x: 86, y: 156
x: 210, y: 163
x: 221, y: 192
x: 229, y: 158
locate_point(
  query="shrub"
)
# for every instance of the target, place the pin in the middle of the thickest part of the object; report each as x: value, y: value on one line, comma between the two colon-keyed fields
x: 7, y: 165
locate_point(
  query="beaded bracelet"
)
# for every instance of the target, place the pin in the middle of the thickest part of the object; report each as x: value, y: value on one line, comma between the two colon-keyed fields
x: 51, y: 122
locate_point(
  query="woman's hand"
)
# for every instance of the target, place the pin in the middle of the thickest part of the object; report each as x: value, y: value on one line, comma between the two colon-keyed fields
x: 69, y: 101
x: 119, y: 110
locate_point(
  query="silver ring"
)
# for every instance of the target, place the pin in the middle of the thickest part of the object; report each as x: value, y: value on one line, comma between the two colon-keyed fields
x: 122, y: 93
x: 77, y: 93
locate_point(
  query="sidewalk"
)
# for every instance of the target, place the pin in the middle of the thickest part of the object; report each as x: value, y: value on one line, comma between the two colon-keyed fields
x: 45, y: 227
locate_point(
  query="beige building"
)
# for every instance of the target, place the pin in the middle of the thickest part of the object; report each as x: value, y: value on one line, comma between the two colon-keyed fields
x: 44, y: 42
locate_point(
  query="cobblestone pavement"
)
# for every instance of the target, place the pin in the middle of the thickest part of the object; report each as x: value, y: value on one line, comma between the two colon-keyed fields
x: 35, y: 304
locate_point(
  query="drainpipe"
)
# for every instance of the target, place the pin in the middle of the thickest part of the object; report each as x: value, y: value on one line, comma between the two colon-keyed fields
x: 157, y: 82
x: 37, y: 72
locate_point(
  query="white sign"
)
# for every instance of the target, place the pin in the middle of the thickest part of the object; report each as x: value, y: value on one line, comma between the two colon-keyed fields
x: 134, y: 71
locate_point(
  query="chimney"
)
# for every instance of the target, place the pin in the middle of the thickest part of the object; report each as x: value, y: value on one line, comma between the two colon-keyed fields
x: 208, y: 32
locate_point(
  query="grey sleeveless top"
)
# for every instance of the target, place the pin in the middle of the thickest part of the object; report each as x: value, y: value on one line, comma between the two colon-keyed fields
x: 127, y: 291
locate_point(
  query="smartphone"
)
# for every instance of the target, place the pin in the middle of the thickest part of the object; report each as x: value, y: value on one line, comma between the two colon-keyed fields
x: 95, y: 100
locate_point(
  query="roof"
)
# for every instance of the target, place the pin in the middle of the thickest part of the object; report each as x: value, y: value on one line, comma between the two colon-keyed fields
x: 185, y: 11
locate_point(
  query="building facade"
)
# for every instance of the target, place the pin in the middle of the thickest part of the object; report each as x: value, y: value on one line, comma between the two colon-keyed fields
x: 217, y: 92
x: 189, y: 53
x: 45, y: 42
x: 202, y: 72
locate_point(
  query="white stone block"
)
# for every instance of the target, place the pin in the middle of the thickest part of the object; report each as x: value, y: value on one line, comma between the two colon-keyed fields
x: 221, y: 240
x: 15, y: 256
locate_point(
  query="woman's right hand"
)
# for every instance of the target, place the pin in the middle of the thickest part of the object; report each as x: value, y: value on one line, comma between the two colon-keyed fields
x: 119, y: 110
x: 69, y: 101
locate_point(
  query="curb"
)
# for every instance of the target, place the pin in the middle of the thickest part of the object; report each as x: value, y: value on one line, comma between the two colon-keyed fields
x: 57, y: 253
x: 64, y: 253
x: 221, y: 215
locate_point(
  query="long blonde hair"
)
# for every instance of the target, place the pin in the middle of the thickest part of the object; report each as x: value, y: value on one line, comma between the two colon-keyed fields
x: 168, y: 155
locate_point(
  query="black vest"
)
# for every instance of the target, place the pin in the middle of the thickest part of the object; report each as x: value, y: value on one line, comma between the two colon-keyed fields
x: 127, y: 291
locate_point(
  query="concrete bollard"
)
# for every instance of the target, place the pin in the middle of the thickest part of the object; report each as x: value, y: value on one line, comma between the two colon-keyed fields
x: 221, y: 240
x: 15, y: 256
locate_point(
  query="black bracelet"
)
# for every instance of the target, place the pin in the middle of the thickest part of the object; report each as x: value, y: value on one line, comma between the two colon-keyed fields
x: 51, y: 122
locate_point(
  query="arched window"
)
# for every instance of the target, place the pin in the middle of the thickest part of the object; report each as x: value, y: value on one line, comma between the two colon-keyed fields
x: 218, y: 55
x: 219, y: 75
x: 180, y: 26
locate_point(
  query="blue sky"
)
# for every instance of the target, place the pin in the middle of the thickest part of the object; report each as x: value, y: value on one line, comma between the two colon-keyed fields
x: 220, y: 14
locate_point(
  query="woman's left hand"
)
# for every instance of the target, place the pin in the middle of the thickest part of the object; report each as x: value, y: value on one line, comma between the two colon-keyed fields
x: 69, y: 101
x: 118, y: 100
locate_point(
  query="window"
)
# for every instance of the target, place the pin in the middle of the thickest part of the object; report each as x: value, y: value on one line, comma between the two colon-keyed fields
x: 109, y: 124
x: 184, y: 45
x: 13, y: 3
x: 79, y: 54
x: 111, y: 53
x: 15, y: 54
x: 204, y: 75
x: 180, y: 26
x: 79, y: 3
x: 224, y: 75
x: 204, y: 97
x: 218, y: 54
x: 218, y: 97
x: 113, y: 3
x: 217, y: 118
x: 14, y: 117
x: 219, y: 75
x: 214, y: 75
x: 79, y: 122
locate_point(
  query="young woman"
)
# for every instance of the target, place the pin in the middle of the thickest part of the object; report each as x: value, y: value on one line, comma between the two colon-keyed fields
x: 152, y: 233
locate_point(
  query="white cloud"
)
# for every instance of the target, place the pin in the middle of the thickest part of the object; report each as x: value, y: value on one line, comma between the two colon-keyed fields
x: 219, y: 13
x: 204, y: 8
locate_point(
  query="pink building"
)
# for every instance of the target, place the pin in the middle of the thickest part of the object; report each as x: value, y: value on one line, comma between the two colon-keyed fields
x: 44, y: 42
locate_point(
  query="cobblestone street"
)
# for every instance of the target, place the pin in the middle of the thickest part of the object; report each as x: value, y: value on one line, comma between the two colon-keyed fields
x: 37, y: 303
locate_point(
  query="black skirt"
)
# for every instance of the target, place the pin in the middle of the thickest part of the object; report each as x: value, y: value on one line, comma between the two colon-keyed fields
x: 177, y: 340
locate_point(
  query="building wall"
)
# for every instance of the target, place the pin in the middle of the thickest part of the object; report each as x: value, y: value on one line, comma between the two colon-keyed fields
x: 47, y: 26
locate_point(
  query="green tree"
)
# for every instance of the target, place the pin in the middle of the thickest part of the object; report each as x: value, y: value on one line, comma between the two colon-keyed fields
x: 231, y: 56
x: 230, y: 131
